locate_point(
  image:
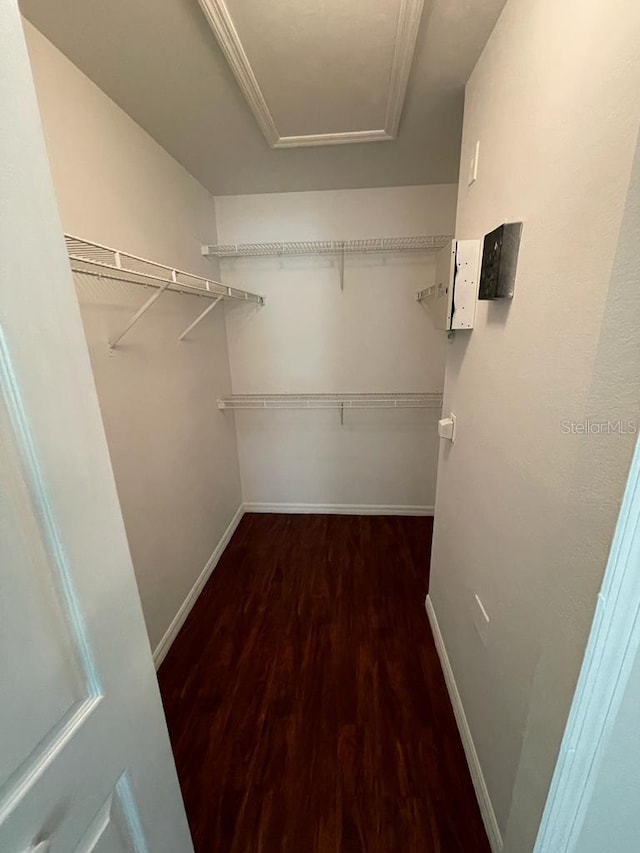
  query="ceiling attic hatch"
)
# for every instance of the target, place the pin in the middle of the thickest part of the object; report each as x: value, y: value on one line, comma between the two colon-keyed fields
x: 320, y: 73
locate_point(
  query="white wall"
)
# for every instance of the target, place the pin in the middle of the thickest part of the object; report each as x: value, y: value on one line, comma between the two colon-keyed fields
x: 607, y: 814
x: 612, y: 818
x: 525, y: 512
x: 174, y: 458
x: 312, y: 338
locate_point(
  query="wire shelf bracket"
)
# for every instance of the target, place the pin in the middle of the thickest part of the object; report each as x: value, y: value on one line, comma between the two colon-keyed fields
x: 421, y: 295
x: 201, y: 316
x: 93, y: 259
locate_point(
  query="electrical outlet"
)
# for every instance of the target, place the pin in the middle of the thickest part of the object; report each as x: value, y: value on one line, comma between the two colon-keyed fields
x: 473, y: 164
x: 481, y: 620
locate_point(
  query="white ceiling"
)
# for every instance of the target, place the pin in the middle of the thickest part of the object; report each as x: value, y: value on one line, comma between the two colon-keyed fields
x: 309, y: 74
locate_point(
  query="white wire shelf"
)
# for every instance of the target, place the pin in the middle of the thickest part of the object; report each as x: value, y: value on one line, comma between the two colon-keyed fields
x: 88, y: 257
x: 431, y: 400
x: 93, y: 259
x: 329, y: 247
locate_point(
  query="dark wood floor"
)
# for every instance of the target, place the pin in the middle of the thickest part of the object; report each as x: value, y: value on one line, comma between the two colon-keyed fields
x: 305, y: 701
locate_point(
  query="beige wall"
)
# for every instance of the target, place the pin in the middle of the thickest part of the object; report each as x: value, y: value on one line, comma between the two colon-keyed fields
x: 371, y: 337
x: 174, y: 454
x: 525, y: 512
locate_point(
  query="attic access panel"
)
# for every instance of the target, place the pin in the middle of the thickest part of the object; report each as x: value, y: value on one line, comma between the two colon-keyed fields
x: 499, y: 261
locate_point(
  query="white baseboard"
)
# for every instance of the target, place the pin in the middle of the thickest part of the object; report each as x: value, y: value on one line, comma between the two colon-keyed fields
x: 477, y: 777
x: 339, y: 509
x: 179, y: 619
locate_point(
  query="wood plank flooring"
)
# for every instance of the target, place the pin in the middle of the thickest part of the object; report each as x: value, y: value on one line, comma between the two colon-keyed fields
x: 305, y: 701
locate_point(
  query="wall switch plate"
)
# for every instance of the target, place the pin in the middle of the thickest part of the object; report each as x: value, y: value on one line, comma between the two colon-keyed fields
x: 447, y: 428
x: 480, y: 619
x: 473, y: 164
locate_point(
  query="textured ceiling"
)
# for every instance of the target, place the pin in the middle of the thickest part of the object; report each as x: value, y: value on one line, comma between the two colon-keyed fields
x: 160, y: 62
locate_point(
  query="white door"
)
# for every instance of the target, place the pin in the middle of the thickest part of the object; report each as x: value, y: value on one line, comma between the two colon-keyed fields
x: 85, y: 761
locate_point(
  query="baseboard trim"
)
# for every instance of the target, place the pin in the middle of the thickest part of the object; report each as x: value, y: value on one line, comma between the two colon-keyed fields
x: 477, y: 777
x: 179, y: 619
x: 338, y: 509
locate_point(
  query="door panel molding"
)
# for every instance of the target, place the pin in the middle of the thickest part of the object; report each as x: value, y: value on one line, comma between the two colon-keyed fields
x: 35, y: 762
x: 119, y: 810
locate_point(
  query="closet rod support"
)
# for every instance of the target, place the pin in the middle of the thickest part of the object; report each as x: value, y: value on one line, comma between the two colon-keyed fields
x: 143, y: 310
x: 199, y: 317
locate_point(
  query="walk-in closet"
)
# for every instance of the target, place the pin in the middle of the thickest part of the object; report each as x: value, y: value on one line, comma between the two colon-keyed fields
x: 307, y: 312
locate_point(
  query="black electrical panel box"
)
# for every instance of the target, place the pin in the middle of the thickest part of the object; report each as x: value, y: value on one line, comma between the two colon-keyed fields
x: 499, y: 262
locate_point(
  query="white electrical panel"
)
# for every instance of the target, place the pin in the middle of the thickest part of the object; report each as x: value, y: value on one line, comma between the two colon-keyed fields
x: 452, y: 299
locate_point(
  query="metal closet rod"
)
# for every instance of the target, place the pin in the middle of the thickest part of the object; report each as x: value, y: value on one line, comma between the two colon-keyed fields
x: 103, y: 262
